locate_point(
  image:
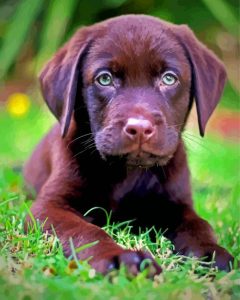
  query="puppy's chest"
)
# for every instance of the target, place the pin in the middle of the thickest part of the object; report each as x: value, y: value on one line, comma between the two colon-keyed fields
x: 138, y: 185
x: 139, y: 193
x: 140, y: 198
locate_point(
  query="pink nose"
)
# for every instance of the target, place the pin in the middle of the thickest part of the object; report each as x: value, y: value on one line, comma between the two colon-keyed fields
x: 136, y: 129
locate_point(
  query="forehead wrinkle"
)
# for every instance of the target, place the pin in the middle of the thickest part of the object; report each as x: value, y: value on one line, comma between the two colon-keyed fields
x: 134, y: 60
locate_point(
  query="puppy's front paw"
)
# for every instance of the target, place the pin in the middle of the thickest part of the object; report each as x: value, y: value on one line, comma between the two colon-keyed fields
x: 134, y: 261
x: 222, y: 259
x: 211, y: 252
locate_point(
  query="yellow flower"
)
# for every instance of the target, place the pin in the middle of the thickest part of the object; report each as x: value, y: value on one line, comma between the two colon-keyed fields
x: 18, y: 104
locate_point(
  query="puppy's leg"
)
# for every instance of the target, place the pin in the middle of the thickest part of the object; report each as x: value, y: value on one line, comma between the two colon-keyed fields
x: 62, y: 186
x: 194, y: 236
x: 51, y: 209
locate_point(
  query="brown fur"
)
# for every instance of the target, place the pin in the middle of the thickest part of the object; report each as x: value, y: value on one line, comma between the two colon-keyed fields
x: 119, y: 147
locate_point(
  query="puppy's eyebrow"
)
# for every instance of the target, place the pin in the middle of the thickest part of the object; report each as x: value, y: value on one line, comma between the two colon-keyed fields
x: 106, y: 65
x: 101, y: 69
x: 93, y: 68
x: 172, y: 64
x: 177, y: 71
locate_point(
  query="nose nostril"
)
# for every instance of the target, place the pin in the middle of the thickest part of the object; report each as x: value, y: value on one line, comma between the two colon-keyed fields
x: 148, y: 131
x: 131, y: 131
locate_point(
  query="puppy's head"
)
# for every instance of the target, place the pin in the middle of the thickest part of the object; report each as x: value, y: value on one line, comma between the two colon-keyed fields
x: 138, y: 78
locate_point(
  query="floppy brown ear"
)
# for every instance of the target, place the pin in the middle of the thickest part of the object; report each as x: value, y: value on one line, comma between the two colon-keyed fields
x: 208, y: 74
x: 59, y: 77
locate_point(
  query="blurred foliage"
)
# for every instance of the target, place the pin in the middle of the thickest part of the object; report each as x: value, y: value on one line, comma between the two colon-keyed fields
x: 31, y: 31
x: 222, y: 12
x: 44, y: 25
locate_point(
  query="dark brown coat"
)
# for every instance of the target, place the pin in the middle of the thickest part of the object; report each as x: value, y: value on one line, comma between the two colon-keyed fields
x: 118, y: 145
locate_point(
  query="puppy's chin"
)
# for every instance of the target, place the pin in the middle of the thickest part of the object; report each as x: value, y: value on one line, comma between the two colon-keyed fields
x: 146, y: 160
x: 138, y: 159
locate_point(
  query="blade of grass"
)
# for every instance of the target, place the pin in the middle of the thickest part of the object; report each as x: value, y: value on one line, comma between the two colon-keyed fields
x: 86, y: 246
x: 79, y: 249
x: 34, y: 222
x: 8, y: 200
x: 108, y: 215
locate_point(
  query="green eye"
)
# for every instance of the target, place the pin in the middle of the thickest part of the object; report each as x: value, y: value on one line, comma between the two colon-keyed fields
x: 105, y: 79
x: 169, y: 78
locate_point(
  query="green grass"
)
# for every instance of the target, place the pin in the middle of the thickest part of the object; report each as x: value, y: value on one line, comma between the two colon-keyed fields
x: 32, y: 266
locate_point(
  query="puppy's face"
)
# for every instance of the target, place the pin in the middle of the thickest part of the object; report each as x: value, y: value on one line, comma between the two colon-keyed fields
x: 138, y: 77
x: 136, y: 86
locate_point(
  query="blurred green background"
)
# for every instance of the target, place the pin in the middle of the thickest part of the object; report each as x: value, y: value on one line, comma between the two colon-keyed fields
x: 31, y: 31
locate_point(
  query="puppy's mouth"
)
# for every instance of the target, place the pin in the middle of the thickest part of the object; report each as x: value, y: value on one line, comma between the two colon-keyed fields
x: 138, y: 157
x: 144, y: 159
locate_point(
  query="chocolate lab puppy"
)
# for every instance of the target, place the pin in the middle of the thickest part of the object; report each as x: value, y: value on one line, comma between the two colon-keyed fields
x: 122, y: 91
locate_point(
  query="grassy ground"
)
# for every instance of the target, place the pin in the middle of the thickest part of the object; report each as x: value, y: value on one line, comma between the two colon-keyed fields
x: 33, y: 266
